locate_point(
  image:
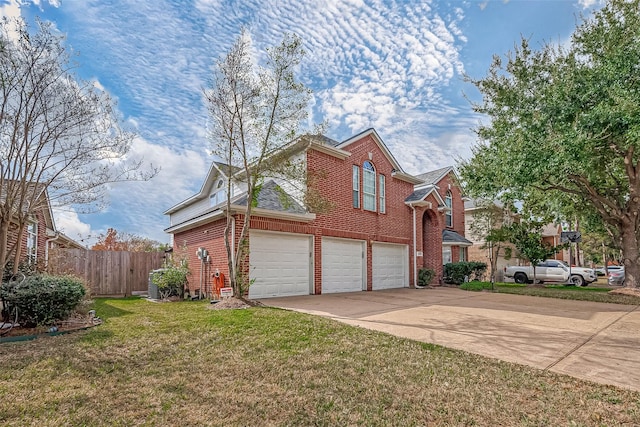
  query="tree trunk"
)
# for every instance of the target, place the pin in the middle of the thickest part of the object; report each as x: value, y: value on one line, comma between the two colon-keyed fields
x: 4, y: 241
x: 18, y: 253
x: 630, y: 254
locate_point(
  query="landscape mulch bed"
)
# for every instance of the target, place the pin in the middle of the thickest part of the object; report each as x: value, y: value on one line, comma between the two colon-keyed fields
x: 19, y: 333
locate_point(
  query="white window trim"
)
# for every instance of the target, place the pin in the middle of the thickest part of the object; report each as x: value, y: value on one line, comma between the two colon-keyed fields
x: 448, y: 215
x: 368, y: 196
x: 382, y: 192
x: 32, y: 237
x: 355, y: 184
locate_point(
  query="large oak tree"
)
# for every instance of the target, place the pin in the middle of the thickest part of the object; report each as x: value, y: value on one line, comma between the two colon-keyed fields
x: 565, y: 127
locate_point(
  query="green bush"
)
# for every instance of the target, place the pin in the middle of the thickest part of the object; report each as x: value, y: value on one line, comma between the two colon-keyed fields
x: 170, y: 281
x: 42, y: 299
x: 460, y: 272
x: 425, y: 276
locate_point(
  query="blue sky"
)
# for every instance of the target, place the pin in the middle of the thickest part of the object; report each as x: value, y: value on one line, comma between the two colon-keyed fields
x: 393, y: 65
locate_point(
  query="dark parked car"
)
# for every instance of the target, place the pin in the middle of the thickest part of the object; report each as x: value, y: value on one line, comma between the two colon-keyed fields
x: 616, y: 277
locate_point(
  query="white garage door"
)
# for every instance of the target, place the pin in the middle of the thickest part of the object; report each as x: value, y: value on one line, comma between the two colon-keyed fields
x: 280, y: 264
x: 390, y: 266
x: 342, y: 265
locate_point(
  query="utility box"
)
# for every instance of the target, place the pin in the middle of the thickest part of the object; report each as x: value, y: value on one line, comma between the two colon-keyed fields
x: 154, y: 292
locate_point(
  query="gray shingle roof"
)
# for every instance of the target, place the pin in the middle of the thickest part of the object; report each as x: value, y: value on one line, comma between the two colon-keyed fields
x: 450, y: 236
x: 418, y: 194
x: 433, y: 177
x: 325, y: 140
x: 273, y: 197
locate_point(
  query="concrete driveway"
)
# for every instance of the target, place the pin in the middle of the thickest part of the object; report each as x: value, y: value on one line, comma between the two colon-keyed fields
x: 593, y: 341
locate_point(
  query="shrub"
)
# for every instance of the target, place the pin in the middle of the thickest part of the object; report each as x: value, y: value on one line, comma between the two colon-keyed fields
x: 460, y: 272
x: 170, y: 281
x: 43, y: 299
x: 425, y: 276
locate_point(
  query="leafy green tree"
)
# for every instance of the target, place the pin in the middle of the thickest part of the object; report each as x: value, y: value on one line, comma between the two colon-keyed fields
x: 565, y: 127
x: 527, y: 238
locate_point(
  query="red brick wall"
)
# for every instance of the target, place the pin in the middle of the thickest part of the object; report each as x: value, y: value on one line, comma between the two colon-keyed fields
x: 393, y: 226
x: 42, y: 239
x: 211, y: 237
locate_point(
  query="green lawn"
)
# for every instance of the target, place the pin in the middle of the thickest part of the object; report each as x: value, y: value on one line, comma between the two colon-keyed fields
x: 181, y: 364
x: 595, y: 294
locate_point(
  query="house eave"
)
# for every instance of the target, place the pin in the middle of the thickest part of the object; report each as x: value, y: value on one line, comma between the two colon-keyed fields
x: 406, y: 177
x: 327, y: 149
x: 419, y: 203
x: 268, y: 213
x: 195, y: 222
x: 457, y: 244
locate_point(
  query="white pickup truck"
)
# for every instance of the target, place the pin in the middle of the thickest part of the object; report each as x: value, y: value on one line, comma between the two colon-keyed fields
x: 551, y: 270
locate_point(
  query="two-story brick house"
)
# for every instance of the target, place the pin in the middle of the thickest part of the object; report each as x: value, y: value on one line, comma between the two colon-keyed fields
x: 384, y: 224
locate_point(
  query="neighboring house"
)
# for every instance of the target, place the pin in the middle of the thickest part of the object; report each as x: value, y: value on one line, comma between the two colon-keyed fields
x: 479, y: 252
x: 384, y: 224
x: 39, y: 235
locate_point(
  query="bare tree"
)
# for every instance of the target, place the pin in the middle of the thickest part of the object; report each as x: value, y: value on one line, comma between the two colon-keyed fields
x: 256, y: 113
x: 60, y: 138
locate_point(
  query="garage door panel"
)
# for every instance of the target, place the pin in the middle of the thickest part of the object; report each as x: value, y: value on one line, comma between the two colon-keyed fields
x: 390, y: 266
x: 280, y: 264
x: 342, y: 265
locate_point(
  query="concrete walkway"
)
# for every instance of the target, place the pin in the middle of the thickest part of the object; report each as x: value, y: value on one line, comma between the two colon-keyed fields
x: 593, y: 341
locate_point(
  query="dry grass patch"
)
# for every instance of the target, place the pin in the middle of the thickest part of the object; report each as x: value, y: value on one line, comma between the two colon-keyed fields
x: 180, y: 364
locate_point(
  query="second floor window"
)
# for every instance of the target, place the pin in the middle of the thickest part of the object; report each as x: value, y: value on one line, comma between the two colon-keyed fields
x: 32, y: 242
x: 448, y: 215
x: 219, y: 196
x: 356, y: 186
x: 368, y: 186
x: 381, y: 191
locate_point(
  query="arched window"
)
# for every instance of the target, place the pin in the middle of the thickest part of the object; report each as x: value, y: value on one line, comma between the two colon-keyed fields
x: 368, y: 186
x: 448, y: 215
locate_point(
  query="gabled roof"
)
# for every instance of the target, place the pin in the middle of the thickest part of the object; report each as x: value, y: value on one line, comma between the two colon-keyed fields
x: 433, y: 177
x: 273, y: 197
x: 272, y: 201
x: 378, y: 140
x: 39, y: 190
x: 215, y: 170
x: 451, y: 238
x: 422, y: 193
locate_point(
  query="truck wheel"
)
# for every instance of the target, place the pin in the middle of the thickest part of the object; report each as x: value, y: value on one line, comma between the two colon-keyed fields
x: 520, y: 278
x: 576, y: 280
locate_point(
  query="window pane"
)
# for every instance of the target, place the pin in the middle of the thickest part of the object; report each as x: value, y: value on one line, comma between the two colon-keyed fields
x: 356, y: 186
x: 381, y: 190
x: 446, y: 255
x: 369, y: 186
x: 448, y: 201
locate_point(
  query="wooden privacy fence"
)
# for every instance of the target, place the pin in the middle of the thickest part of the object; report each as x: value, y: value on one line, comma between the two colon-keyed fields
x: 108, y: 273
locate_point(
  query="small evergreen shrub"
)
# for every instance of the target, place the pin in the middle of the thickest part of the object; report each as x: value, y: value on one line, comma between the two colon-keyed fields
x: 42, y: 299
x: 460, y: 272
x: 425, y: 276
x: 170, y: 281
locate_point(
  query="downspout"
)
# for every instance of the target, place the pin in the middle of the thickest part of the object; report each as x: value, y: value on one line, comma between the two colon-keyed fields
x: 46, y: 248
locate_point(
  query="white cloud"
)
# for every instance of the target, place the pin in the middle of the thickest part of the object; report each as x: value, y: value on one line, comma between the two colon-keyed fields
x: 10, y: 9
x: 380, y: 63
x: 68, y: 222
x: 587, y: 4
